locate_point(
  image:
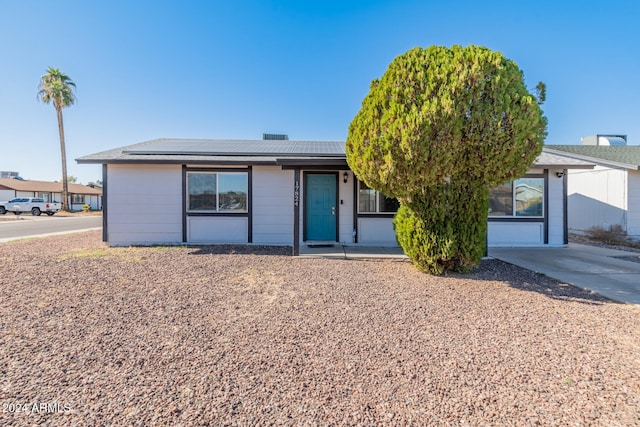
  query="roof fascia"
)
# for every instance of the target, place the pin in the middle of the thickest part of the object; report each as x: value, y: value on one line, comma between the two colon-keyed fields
x: 175, y: 162
x: 596, y: 160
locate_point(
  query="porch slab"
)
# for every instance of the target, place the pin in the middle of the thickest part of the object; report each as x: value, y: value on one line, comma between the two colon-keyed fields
x: 340, y: 251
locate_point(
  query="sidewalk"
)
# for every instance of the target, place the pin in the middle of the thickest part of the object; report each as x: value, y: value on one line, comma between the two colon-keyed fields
x: 339, y: 251
x: 608, y: 272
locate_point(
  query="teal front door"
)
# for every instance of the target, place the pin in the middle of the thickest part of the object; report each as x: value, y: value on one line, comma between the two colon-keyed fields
x: 320, y: 207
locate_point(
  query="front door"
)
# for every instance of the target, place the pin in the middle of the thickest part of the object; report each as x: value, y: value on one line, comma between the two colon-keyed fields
x: 320, y: 207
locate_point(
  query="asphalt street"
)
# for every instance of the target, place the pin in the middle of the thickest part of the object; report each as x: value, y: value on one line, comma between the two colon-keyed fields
x: 13, y: 227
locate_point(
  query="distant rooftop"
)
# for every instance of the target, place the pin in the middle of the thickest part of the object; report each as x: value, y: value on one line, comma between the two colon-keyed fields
x: 45, y: 186
x: 622, y: 156
x: 9, y: 174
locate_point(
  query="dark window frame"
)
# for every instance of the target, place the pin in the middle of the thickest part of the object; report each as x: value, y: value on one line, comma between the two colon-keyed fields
x: 377, y: 213
x: 75, y: 197
x: 525, y: 218
x: 217, y: 211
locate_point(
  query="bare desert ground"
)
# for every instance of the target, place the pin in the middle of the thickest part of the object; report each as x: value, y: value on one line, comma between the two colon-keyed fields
x: 91, y: 335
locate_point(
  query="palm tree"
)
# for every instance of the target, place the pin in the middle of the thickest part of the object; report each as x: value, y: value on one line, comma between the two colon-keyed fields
x: 56, y: 86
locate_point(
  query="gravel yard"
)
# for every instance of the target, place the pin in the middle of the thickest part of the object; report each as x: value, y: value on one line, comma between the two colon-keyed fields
x: 91, y: 335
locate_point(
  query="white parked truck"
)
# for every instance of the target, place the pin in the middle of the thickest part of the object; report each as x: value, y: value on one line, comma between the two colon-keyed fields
x: 35, y: 205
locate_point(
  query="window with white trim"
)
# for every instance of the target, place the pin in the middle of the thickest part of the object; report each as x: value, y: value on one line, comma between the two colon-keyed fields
x: 217, y: 192
x: 523, y: 197
x: 372, y: 201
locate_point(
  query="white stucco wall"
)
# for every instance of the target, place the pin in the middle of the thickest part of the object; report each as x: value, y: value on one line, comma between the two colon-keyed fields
x: 597, y: 198
x: 144, y: 204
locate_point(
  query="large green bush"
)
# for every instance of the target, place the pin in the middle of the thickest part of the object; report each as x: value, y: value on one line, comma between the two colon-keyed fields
x: 440, y: 126
x: 445, y: 228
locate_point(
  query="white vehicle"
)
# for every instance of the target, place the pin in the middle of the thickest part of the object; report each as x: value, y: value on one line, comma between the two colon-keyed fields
x: 35, y: 205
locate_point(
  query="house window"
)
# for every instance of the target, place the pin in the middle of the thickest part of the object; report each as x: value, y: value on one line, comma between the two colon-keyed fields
x: 77, y: 198
x: 220, y: 192
x: 523, y: 197
x: 372, y: 201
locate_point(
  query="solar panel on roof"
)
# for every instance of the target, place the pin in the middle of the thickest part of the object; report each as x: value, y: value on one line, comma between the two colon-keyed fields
x: 211, y: 147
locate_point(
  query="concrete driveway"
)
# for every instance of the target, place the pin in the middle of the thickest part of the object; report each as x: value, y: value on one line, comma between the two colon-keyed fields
x: 611, y: 273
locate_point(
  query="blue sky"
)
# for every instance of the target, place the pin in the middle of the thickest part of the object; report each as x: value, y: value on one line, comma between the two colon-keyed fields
x: 236, y: 69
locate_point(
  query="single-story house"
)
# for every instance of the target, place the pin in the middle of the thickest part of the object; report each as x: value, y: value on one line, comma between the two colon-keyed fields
x: 608, y: 195
x: 79, y: 195
x: 286, y: 192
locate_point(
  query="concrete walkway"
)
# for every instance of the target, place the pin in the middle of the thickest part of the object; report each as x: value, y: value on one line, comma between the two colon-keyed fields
x: 338, y: 251
x: 601, y: 270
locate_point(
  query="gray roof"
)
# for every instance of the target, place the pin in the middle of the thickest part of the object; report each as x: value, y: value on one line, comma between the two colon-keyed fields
x: 549, y: 160
x: 276, y: 152
x: 627, y: 157
x: 215, y: 147
x: 223, y: 151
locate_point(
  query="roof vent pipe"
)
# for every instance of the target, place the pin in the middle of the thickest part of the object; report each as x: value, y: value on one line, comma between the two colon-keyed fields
x: 605, y: 140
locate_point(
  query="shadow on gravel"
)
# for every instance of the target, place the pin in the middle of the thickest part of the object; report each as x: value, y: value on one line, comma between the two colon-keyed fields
x: 241, y: 250
x: 526, y: 280
x: 489, y: 269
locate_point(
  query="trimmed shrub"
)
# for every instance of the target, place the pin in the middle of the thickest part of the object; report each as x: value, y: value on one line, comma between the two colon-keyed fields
x: 444, y: 229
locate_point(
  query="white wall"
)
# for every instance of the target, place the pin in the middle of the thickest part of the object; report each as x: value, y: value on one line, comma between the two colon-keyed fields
x: 597, y: 198
x: 272, y: 200
x: 345, y: 207
x: 93, y: 201
x: 144, y: 204
x: 514, y: 233
x: 376, y: 231
x: 212, y: 229
x: 6, y: 195
x: 145, y: 207
x: 633, y: 194
x: 555, y: 208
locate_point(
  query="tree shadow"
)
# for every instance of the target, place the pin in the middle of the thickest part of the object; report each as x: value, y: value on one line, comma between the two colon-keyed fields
x: 527, y: 280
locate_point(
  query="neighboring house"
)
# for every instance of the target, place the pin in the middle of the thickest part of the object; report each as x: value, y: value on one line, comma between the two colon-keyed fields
x: 79, y: 195
x: 607, y: 195
x: 285, y: 192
